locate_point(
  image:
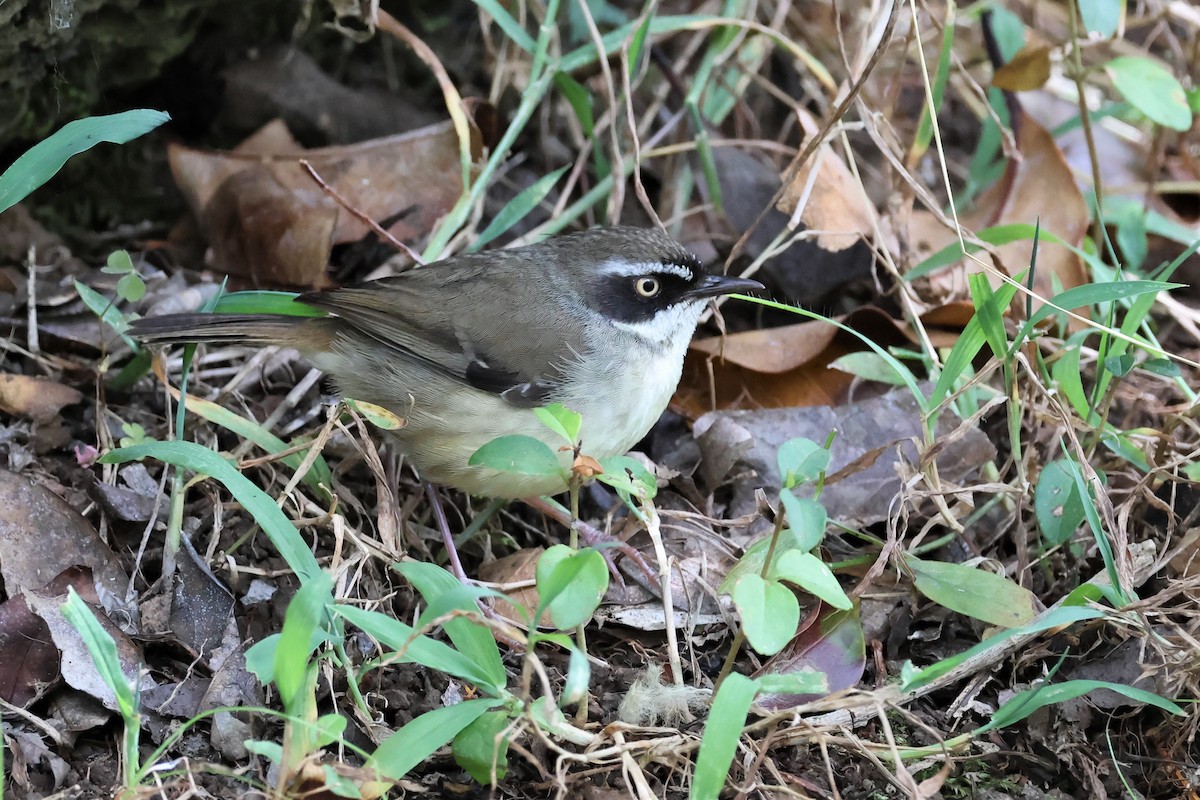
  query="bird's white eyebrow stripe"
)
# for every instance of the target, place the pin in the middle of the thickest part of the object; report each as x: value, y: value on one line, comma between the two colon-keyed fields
x: 631, y: 269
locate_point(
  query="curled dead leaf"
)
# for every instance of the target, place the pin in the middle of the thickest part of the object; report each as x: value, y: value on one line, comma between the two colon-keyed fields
x: 267, y: 220
x: 39, y: 399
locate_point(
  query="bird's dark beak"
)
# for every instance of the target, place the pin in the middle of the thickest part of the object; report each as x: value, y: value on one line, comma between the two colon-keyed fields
x: 717, y: 285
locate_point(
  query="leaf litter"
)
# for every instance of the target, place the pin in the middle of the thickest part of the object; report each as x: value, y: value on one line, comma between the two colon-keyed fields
x: 934, y: 530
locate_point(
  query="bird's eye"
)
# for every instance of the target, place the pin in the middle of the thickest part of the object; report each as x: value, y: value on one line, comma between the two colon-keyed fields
x: 647, y: 286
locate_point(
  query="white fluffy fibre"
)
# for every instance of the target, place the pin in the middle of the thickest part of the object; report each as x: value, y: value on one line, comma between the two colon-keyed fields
x: 649, y: 702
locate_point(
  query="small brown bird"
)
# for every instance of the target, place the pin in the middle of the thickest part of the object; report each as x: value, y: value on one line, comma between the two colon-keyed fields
x: 463, y: 349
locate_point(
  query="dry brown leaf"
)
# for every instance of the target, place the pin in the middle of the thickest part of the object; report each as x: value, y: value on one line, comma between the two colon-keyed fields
x: 39, y: 399
x: 1037, y: 186
x: 786, y: 366
x: 40, y: 536
x: 1029, y: 69
x: 831, y: 202
x: 267, y: 219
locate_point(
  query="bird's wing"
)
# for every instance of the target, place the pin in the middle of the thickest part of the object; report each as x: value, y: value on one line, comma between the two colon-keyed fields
x: 397, y: 313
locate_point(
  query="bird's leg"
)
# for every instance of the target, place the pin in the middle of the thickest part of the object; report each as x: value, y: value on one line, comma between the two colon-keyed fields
x: 594, y: 538
x: 443, y: 525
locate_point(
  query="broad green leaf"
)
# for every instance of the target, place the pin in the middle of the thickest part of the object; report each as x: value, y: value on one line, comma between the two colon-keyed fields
x: 721, y: 734
x: 255, y: 501
x: 1101, y: 16
x: 420, y: 738
x: 329, y: 728
x: 472, y: 639
x: 517, y: 454
x: 801, y: 461
x: 482, y: 746
x: 1162, y: 366
x: 813, y: 576
x: 629, y: 477
x: 769, y: 612
x: 806, y: 518
x: 1022, y: 704
x: 868, y: 366
x: 1151, y: 89
x: 561, y: 420
x: 752, y: 560
x: 912, y: 678
x: 570, y: 584
x: 973, y: 592
x: 1056, y: 502
x: 1008, y: 30
x: 42, y: 161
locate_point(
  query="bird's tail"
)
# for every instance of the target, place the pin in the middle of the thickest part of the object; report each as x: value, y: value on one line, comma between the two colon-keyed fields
x: 303, y: 333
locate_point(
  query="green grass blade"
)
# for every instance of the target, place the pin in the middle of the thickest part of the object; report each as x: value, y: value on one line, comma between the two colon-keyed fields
x: 278, y: 528
x: 40, y: 163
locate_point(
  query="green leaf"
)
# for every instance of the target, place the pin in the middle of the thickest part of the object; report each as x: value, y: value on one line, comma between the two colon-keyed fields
x: 375, y: 414
x: 912, y: 678
x: 756, y: 554
x: 579, y: 677
x: 1008, y: 30
x: 103, y: 650
x: 131, y: 287
x: 629, y: 477
x: 813, y: 576
x: 397, y: 636
x: 482, y: 746
x: 473, y: 640
x: 639, y: 41
x: 319, y: 478
x: 570, y: 584
x: 721, y: 734
x: 868, y: 366
x: 107, y: 311
x: 561, y: 420
x: 1101, y: 16
x: 265, y: 302
x: 801, y: 461
x: 301, y: 624
x: 1022, y: 704
x: 973, y: 592
x: 421, y: 737
x: 1056, y: 502
x: 969, y: 343
x: 517, y: 208
x: 329, y: 728
x: 518, y: 454
x: 579, y: 99
x: 769, y: 611
x: 989, y: 313
x: 255, y: 501
x: 119, y: 262
x: 1119, y: 366
x: 806, y: 518
x: 1162, y: 366
x: 42, y: 161
x: 1151, y: 89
